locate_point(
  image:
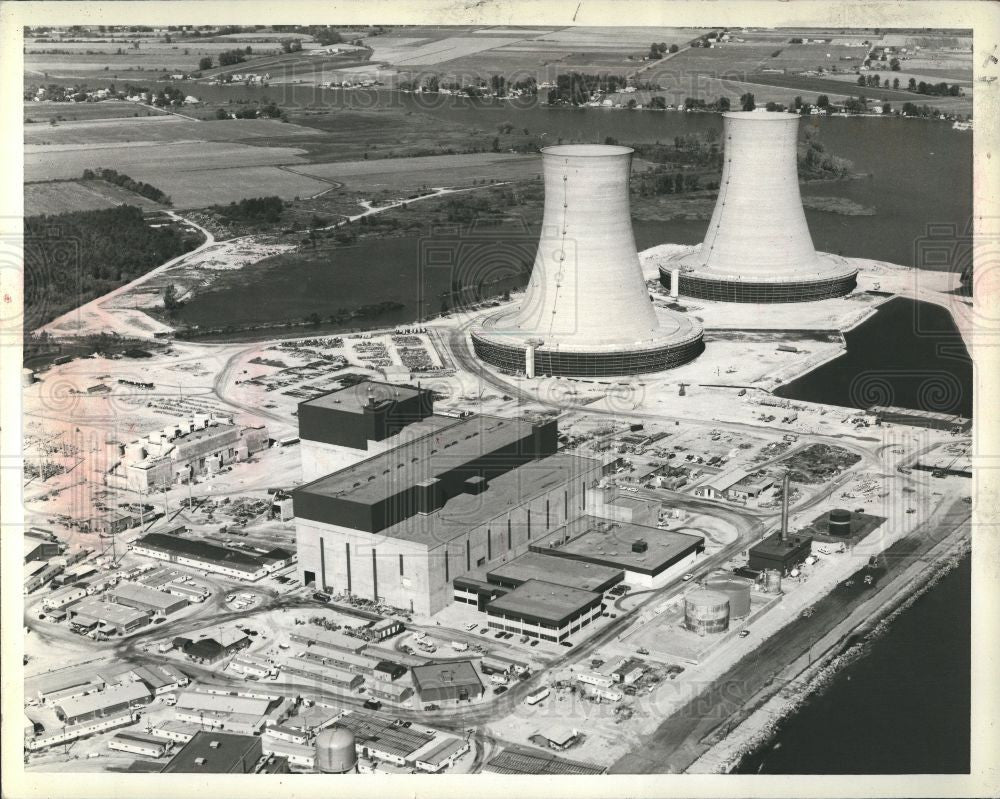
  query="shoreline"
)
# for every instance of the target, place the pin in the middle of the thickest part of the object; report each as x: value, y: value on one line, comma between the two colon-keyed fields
x: 769, y: 713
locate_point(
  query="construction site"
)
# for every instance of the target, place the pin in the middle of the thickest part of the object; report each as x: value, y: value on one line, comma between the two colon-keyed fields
x: 513, y: 541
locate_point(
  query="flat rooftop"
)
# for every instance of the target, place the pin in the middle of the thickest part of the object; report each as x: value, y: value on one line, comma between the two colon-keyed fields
x: 561, y: 571
x: 420, y: 459
x: 201, y: 550
x: 108, y: 612
x: 445, y: 680
x: 381, y: 735
x: 149, y: 596
x: 219, y: 751
x: 609, y: 542
x: 773, y: 546
x: 543, y: 601
x: 354, y: 399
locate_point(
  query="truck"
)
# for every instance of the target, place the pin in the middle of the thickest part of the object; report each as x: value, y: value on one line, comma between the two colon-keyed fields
x: 537, y: 696
x: 459, y: 646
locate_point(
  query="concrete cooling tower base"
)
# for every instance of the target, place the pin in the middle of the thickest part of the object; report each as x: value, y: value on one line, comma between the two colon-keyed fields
x: 676, y: 342
x: 825, y: 277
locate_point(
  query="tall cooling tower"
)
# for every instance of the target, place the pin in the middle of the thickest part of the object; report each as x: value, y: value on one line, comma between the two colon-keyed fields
x: 586, y: 310
x: 758, y: 247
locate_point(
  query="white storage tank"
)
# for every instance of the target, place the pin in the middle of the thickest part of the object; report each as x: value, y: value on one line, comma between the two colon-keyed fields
x: 737, y: 589
x: 336, y: 752
x: 706, y: 612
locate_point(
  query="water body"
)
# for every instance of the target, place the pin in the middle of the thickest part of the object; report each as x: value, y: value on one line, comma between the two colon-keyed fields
x: 903, y: 708
x: 921, y: 188
x: 920, y: 362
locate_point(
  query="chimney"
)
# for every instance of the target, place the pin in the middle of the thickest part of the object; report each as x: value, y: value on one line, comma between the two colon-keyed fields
x: 783, y: 532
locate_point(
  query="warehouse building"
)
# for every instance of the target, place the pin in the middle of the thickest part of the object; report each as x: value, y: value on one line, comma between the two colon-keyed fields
x: 382, y: 739
x: 217, y: 753
x: 440, y: 754
x: 561, y: 571
x: 156, y: 603
x: 330, y: 640
x: 105, y: 619
x: 201, y: 555
x: 109, y: 702
x: 650, y: 557
x: 390, y: 691
x: 400, y: 526
x: 887, y: 414
x: 447, y: 684
x: 318, y: 671
x: 214, y: 646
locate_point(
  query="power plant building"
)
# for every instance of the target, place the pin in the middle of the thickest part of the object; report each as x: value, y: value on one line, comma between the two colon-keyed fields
x: 586, y: 310
x: 780, y: 552
x: 401, y: 525
x: 758, y: 247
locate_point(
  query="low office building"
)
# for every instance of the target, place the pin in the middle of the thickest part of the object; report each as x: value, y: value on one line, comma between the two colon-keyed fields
x: 53, y: 688
x: 447, y: 684
x: 388, y: 671
x: 298, y: 754
x: 331, y: 640
x: 386, y: 628
x: 136, y: 743
x: 362, y: 664
x: 157, y: 603
x: 439, y: 754
x: 109, y: 702
x: 63, y: 597
x: 390, y: 691
x: 252, y: 665
x: 105, y: 619
x: 544, y: 610
x: 329, y: 675
x: 201, y: 555
x: 292, y: 735
x: 174, y: 730
x: 162, y: 678
x: 211, y: 647
x: 649, y: 557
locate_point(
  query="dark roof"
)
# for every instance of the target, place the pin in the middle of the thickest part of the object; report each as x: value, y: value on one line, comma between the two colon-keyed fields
x: 354, y: 399
x: 230, y: 558
x: 514, y: 761
x: 792, y: 546
x: 396, y: 669
x: 443, y: 681
x: 223, y: 758
x: 539, y: 601
x: 277, y: 554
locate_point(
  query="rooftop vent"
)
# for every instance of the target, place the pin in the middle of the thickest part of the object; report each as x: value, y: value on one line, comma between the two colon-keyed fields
x: 199, y: 761
x: 215, y: 744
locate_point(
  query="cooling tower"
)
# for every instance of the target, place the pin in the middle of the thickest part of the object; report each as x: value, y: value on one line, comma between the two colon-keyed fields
x: 586, y: 310
x: 758, y: 247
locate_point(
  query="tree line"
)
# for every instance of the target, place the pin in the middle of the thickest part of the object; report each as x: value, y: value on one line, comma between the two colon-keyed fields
x: 136, y: 186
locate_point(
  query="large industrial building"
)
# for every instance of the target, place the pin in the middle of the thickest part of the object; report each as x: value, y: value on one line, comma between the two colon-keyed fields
x: 401, y: 525
x: 482, y: 511
x: 586, y: 310
x: 758, y: 247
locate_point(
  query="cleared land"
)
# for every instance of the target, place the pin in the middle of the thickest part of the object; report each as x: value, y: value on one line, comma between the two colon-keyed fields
x: 431, y: 171
x: 142, y: 160
x: 64, y: 196
x: 37, y: 113
x: 222, y: 186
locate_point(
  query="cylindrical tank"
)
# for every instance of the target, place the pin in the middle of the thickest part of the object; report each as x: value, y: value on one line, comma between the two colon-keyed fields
x: 706, y: 612
x: 335, y: 751
x: 840, y: 522
x: 27, y: 377
x: 737, y: 589
x: 772, y: 581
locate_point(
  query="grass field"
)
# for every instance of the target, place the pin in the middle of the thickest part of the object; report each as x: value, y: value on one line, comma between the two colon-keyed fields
x: 39, y: 113
x: 406, y: 174
x: 43, y: 164
x: 159, y: 128
x: 197, y: 189
x: 64, y: 196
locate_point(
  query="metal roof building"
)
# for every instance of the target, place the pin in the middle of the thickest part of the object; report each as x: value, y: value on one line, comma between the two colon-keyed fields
x: 454, y: 681
x: 216, y: 753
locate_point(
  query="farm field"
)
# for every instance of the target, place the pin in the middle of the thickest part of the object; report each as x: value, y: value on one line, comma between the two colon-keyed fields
x: 41, y: 163
x: 60, y: 197
x: 423, y: 53
x: 106, y: 109
x: 159, y: 128
x: 403, y: 174
x: 197, y: 189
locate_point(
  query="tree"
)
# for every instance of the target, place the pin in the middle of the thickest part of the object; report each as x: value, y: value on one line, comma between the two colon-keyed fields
x: 912, y: 85
x: 894, y: 65
x: 170, y: 302
x: 205, y: 63
x: 723, y: 104
x: 797, y: 103
x: 861, y: 80
x: 822, y: 101
x: 674, y: 48
x: 771, y: 106
x: 895, y: 83
x: 886, y: 107
x: 746, y: 102
x: 221, y: 113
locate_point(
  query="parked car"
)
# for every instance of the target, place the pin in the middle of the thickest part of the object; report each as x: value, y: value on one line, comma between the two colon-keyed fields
x: 500, y: 689
x: 744, y: 633
x: 534, y: 643
x: 687, y: 577
x: 321, y: 597
x: 373, y: 704
x: 566, y: 644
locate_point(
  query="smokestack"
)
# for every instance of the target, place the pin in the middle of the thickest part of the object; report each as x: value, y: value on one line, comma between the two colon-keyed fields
x: 586, y: 302
x: 783, y: 532
x: 758, y: 247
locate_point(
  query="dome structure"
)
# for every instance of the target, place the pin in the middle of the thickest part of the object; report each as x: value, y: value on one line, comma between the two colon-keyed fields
x: 335, y: 751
